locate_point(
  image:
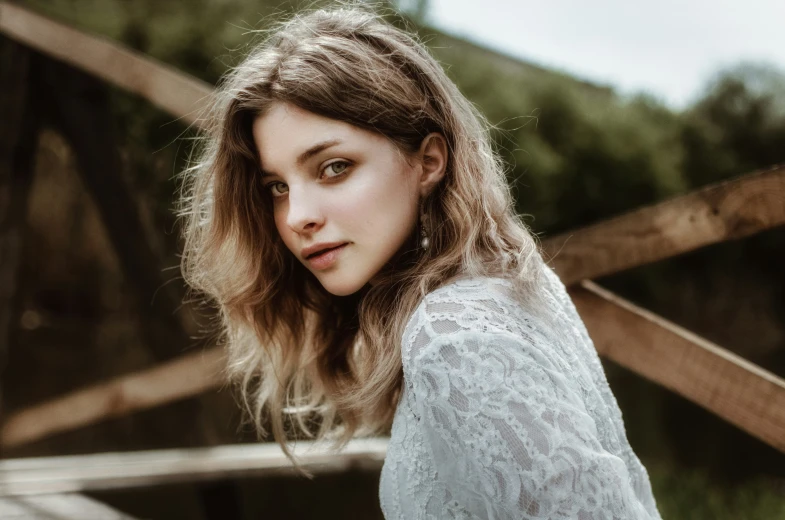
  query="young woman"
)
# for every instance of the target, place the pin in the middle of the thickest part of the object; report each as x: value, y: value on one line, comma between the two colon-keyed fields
x: 352, y: 224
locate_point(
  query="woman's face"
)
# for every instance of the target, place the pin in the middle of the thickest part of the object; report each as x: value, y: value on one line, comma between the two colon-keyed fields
x: 334, y: 184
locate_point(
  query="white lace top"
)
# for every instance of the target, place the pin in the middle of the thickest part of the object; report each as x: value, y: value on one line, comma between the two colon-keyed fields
x: 502, y: 417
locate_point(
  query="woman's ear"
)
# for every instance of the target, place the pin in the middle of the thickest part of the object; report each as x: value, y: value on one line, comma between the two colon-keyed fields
x: 433, y: 158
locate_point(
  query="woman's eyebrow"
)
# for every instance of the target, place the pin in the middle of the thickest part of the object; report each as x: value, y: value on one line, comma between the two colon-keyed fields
x: 318, y: 147
x: 310, y: 152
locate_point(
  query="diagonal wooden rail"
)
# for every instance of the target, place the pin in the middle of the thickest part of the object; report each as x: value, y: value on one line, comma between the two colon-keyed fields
x: 740, y: 392
x: 165, y: 87
x: 714, y: 378
x: 719, y: 212
x: 187, y: 376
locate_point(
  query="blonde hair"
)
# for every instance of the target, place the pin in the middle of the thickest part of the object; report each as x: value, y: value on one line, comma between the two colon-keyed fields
x: 294, y: 349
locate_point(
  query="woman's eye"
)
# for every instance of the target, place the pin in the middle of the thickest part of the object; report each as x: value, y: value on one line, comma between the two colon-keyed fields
x: 276, y: 187
x: 337, y: 168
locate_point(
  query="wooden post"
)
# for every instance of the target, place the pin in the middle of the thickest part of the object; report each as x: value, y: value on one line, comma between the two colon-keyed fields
x: 102, y: 471
x: 79, y: 106
x: 19, y: 126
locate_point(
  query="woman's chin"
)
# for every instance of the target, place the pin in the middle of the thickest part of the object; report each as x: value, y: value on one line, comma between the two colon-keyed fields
x: 340, y: 284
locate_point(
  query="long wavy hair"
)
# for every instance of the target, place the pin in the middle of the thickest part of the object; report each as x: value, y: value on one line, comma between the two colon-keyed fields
x: 306, y: 361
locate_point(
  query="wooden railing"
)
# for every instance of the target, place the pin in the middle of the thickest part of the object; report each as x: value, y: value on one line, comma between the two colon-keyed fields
x: 102, y: 471
x: 705, y: 373
x: 726, y: 211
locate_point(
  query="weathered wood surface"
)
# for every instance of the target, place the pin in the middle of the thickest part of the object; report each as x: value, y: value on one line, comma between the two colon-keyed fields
x: 76, y: 473
x: 185, y: 377
x: 738, y: 391
x: 165, y: 87
x: 720, y: 212
x: 70, y: 506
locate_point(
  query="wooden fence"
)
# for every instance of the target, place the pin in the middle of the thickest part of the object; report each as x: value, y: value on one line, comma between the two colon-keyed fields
x: 705, y: 373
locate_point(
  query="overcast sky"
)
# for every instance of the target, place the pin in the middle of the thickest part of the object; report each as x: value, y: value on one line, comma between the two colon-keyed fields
x: 668, y: 47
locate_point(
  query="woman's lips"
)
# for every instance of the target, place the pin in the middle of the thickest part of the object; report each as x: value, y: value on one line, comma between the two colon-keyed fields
x: 326, y: 259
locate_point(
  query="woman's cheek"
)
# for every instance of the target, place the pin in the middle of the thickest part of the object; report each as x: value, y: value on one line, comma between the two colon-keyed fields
x: 286, y: 234
x: 355, y: 207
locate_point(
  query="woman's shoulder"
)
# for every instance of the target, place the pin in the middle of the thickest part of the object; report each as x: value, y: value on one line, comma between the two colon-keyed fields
x: 486, y: 304
x: 462, y: 293
x: 481, y: 318
x: 488, y: 294
x: 463, y: 303
x: 468, y: 289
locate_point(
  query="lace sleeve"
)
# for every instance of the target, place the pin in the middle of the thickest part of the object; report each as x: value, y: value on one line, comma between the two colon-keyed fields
x: 507, y: 429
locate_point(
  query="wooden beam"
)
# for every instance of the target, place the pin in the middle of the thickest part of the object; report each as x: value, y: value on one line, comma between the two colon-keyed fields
x: 77, y: 473
x: 165, y: 87
x: 186, y: 377
x: 716, y: 213
x: 738, y: 391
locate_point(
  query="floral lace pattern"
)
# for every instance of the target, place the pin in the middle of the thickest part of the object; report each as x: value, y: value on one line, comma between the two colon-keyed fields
x: 503, y: 418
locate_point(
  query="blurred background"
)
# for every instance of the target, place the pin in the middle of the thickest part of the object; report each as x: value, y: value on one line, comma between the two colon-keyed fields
x: 598, y: 108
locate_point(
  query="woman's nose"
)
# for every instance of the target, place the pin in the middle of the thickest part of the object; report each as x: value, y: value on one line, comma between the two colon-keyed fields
x: 305, y: 213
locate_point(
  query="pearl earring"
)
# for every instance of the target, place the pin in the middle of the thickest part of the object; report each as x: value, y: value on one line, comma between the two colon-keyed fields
x: 424, y: 242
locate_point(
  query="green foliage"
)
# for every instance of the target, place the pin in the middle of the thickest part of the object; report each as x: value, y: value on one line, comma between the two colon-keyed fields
x: 738, y: 126
x: 576, y: 153
x: 693, y: 495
